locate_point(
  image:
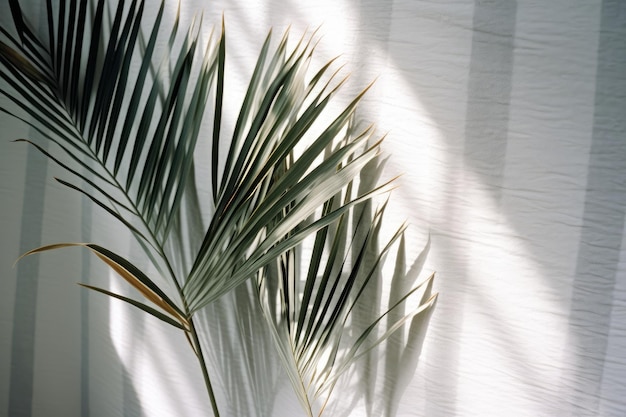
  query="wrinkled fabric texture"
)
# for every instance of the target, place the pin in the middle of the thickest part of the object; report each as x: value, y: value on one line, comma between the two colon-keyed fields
x: 508, y: 123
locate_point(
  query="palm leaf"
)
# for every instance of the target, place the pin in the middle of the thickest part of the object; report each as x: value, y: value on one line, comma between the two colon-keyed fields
x: 311, y: 311
x: 129, y: 272
x: 128, y: 128
x: 153, y: 312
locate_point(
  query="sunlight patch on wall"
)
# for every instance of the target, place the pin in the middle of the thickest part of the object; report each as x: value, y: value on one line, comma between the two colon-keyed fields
x: 511, y: 332
x: 159, y: 365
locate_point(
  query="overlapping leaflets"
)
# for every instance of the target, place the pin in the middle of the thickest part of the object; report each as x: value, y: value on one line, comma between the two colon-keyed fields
x: 124, y: 116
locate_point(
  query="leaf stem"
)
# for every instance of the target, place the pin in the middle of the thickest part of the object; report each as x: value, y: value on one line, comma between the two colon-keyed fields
x: 205, y: 373
x: 195, y: 340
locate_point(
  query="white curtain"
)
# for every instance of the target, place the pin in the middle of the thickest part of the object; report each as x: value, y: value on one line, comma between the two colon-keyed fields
x: 508, y: 121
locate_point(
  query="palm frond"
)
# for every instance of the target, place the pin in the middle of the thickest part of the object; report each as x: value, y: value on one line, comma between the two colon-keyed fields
x: 123, y: 107
x: 130, y: 273
x: 238, y: 241
x: 311, y: 309
x: 83, y: 114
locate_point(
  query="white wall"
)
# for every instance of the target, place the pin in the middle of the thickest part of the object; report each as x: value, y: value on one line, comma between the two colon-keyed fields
x: 508, y: 120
